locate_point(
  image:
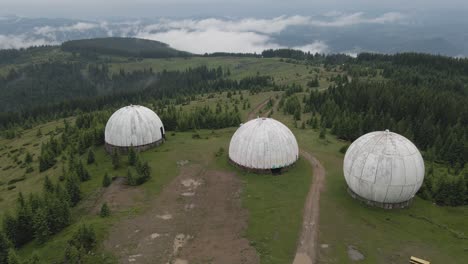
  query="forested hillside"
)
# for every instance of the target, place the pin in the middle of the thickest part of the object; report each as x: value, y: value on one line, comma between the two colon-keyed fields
x: 131, y: 47
x: 420, y: 96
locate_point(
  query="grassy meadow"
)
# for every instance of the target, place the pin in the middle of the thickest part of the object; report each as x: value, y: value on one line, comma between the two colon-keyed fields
x: 275, y: 203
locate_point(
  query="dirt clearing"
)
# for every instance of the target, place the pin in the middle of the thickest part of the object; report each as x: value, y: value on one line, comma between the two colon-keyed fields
x: 118, y: 196
x: 203, y: 227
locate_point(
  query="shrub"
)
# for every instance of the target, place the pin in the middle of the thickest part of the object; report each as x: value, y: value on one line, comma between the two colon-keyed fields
x: 220, y: 152
x: 105, y: 211
x: 106, y: 181
x: 344, y: 148
x: 15, y: 180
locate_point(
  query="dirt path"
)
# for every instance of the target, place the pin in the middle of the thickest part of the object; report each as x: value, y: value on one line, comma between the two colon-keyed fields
x: 272, y: 108
x: 254, y: 113
x: 307, y: 249
x: 197, y: 218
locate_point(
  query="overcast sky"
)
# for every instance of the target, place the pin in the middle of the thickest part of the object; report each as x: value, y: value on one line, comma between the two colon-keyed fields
x: 239, y: 8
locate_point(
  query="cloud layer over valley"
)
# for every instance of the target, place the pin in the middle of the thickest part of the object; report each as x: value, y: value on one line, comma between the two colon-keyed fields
x: 329, y: 32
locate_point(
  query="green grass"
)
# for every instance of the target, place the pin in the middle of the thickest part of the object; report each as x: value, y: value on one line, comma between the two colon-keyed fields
x: 163, y: 160
x: 254, y: 100
x: 9, y: 169
x: 282, y: 72
x: 36, y: 57
x: 275, y: 204
x: 382, y: 236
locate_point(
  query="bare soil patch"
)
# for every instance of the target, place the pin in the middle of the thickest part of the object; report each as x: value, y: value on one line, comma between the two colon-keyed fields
x: 118, y: 196
x: 205, y: 227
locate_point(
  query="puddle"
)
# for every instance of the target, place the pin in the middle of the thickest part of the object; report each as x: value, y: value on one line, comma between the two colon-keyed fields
x: 165, y: 216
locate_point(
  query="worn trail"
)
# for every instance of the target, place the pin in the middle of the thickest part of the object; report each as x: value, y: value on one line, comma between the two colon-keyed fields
x: 254, y: 113
x: 307, y: 249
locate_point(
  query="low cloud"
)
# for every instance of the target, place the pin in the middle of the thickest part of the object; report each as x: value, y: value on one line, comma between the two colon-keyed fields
x: 201, y: 35
x: 315, y: 47
x: 213, y: 41
x: 22, y: 41
x: 78, y: 27
x: 250, y: 34
x: 266, y: 26
x: 343, y: 20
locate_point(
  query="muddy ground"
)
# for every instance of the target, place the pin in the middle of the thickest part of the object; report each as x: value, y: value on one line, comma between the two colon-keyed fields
x: 197, y: 218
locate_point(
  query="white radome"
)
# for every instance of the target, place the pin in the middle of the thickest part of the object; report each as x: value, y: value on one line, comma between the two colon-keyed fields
x: 264, y: 144
x: 133, y: 125
x: 384, y: 167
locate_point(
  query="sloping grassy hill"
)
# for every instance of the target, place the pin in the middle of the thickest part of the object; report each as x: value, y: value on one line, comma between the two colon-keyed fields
x: 124, y: 47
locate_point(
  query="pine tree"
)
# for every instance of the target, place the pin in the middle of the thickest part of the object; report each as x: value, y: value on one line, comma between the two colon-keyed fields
x: 105, y: 211
x: 5, y: 246
x: 115, y: 159
x: 34, y: 202
x: 21, y: 202
x: 34, y: 259
x: 144, y: 173
x: 297, y: 114
x: 10, y: 227
x: 132, y: 157
x: 28, y: 158
x: 314, y: 123
x: 48, y: 186
x: 73, y: 255
x: 322, y: 133
x: 41, y: 227
x: 130, y: 178
x: 106, y: 181
x: 57, y: 213
x: 82, y: 173
x: 24, y: 222
x: 73, y: 189
x: 12, y: 257
x: 84, y: 238
x: 90, y: 159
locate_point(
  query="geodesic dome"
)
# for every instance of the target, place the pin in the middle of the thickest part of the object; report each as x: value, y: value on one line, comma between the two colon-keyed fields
x: 383, y: 167
x: 263, y: 144
x: 133, y: 126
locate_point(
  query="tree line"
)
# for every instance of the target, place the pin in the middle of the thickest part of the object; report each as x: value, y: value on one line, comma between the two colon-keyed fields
x: 115, y: 89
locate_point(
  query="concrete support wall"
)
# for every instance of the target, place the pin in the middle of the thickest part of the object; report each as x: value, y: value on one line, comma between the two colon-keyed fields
x: 378, y: 204
x: 261, y: 171
x: 124, y: 150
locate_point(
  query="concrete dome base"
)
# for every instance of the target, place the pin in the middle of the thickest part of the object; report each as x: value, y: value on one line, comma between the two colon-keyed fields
x: 124, y: 150
x: 275, y: 171
x: 387, y: 206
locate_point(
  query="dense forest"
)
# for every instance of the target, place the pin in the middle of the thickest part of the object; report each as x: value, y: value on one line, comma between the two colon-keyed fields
x: 310, y: 58
x: 131, y: 47
x: 61, y: 95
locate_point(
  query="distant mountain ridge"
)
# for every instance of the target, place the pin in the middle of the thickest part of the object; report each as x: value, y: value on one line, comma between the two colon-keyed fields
x: 133, y: 47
